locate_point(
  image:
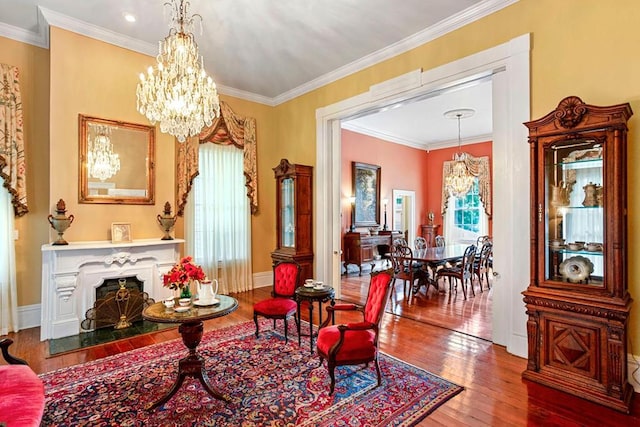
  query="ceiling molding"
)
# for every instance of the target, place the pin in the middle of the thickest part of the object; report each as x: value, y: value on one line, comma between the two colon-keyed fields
x: 383, y: 136
x: 247, y: 96
x: 428, y: 146
x: 77, y: 26
x: 24, y: 36
x: 454, y: 142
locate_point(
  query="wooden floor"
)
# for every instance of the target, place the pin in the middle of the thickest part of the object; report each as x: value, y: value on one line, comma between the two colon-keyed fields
x: 495, y: 393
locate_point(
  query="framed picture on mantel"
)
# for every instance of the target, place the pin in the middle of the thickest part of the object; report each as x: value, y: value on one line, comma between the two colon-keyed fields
x: 366, y: 189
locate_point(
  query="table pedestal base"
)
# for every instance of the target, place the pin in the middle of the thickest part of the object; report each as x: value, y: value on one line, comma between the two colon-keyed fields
x: 190, y: 366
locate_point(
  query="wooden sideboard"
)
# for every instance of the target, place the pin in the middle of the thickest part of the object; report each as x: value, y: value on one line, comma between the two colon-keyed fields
x: 429, y: 232
x: 360, y: 248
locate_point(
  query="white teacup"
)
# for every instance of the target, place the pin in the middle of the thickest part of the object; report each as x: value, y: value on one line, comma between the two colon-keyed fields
x: 184, y: 302
x: 309, y: 283
x: 318, y: 285
x: 169, y: 302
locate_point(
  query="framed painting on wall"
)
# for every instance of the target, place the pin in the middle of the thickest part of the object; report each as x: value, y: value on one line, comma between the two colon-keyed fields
x: 366, y: 189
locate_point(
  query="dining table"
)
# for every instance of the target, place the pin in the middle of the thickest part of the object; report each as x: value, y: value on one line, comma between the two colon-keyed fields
x: 438, y: 255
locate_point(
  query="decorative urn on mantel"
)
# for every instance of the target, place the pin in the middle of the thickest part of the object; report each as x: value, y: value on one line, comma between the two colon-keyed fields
x: 167, y: 221
x: 60, y: 222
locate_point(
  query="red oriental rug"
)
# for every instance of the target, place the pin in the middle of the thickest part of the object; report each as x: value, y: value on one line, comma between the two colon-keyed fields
x: 268, y: 382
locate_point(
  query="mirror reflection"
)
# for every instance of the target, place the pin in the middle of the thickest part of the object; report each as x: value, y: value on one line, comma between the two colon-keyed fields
x: 116, y: 161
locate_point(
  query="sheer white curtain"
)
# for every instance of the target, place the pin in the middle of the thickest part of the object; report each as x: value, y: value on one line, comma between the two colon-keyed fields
x: 8, y: 288
x: 218, y: 220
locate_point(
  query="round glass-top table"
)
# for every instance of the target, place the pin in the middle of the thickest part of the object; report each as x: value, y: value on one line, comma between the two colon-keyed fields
x: 191, y: 328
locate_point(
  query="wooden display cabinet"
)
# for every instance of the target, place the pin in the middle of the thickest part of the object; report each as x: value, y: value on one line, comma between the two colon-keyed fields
x: 429, y: 232
x: 577, y: 302
x: 361, y: 248
x: 294, y: 220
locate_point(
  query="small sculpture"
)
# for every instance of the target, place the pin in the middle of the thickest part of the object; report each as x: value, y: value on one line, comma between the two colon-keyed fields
x: 167, y: 221
x: 60, y: 222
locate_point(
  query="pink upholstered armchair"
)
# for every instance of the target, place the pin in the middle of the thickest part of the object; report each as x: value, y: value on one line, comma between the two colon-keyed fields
x: 356, y: 343
x: 281, y: 305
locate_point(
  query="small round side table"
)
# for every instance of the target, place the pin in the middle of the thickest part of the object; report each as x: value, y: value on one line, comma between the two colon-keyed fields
x: 312, y: 295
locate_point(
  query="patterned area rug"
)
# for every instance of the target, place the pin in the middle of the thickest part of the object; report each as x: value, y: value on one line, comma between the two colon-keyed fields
x: 268, y: 382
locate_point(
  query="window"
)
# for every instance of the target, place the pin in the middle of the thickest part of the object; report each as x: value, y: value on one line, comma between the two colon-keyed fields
x: 217, y: 218
x: 466, y: 218
x: 468, y: 209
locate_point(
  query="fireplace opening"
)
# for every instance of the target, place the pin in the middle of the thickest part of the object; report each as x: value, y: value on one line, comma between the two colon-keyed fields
x: 119, y: 303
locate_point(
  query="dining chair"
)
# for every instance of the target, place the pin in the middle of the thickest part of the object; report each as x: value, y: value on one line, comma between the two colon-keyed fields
x: 440, y: 242
x: 355, y: 343
x: 462, y: 272
x: 405, y: 269
x: 481, y: 264
x: 420, y: 243
x: 281, y: 305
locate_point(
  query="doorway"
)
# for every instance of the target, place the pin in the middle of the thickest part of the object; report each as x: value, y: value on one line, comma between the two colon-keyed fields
x: 508, y: 65
x: 404, y: 214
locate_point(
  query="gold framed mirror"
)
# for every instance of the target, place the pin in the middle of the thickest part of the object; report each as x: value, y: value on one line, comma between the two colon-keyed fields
x: 117, y: 162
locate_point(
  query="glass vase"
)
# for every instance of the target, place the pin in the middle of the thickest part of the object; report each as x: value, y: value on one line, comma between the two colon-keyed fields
x: 185, y: 292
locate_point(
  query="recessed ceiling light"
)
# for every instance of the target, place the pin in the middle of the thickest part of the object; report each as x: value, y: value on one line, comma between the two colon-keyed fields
x: 129, y: 17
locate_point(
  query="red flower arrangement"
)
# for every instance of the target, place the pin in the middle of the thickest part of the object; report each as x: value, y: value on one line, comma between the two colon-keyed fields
x: 182, y: 273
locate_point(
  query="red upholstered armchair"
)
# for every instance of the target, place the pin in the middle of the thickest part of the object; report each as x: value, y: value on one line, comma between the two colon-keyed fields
x: 21, y: 391
x: 356, y: 343
x: 281, y: 305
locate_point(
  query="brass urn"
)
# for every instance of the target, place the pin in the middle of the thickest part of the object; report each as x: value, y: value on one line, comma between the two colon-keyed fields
x: 167, y: 221
x: 60, y: 222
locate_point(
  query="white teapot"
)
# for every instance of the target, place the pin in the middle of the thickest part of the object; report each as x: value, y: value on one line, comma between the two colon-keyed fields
x: 206, y: 291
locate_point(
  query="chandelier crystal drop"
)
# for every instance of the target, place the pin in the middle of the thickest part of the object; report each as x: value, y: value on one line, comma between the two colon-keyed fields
x: 459, y: 180
x: 102, y: 162
x: 178, y: 93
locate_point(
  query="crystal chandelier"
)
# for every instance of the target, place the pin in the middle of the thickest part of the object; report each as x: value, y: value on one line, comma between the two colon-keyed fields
x: 178, y: 93
x: 459, y: 180
x: 102, y: 162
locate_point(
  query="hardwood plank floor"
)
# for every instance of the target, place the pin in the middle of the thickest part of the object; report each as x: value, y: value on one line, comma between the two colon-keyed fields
x: 495, y: 393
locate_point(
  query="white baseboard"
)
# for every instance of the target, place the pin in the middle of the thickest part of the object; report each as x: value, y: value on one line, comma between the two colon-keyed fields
x: 263, y: 279
x: 29, y: 316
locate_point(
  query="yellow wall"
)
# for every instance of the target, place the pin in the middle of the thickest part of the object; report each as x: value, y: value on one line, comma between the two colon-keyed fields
x: 579, y: 47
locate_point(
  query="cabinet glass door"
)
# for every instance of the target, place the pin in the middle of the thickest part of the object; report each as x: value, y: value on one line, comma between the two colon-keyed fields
x: 574, y: 194
x: 287, y: 213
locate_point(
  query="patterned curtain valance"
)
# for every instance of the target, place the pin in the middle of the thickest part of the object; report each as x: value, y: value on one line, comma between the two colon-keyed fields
x: 478, y: 166
x: 12, y: 165
x: 228, y: 129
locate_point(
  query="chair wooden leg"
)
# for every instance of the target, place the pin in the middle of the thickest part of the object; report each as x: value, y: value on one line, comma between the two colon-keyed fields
x: 286, y: 330
x: 464, y: 288
x: 473, y: 292
x: 375, y: 361
x: 331, y: 367
x: 255, y: 320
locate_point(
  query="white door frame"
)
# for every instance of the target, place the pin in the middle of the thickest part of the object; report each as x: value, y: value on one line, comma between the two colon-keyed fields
x: 509, y: 66
x: 412, y: 213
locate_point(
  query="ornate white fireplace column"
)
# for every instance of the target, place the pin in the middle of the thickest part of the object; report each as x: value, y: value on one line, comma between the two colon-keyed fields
x: 71, y: 273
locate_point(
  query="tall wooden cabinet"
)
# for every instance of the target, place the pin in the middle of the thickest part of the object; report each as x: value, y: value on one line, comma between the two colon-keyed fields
x: 577, y: 302
x: 294, y: 220
x: 429, y: 232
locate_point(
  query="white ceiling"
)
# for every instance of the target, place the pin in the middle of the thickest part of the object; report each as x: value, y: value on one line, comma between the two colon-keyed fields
x: 266, y: 51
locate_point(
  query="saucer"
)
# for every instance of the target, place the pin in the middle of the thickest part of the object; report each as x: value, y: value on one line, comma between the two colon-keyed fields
x: 319, y: 288
x: 201, y: 304
x: 309, y: 285
x: 181, y: 309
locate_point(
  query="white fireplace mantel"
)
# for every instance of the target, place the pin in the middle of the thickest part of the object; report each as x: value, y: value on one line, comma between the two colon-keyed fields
x: 71, y: 273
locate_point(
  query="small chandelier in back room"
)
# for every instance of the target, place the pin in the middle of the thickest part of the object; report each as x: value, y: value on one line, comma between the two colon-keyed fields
x: 178, y: 93
x: 102, y: 162
x: 459, y: 180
